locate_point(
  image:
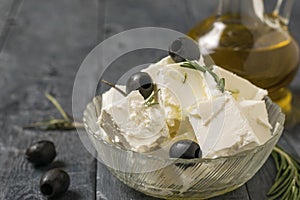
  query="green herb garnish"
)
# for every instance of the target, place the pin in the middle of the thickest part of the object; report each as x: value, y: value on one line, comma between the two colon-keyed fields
x: 57, y: 106
x: 66, y: 123
x: 55, y: 124
x: 184, y: 77
x: 114, y: 86
x: 194, y: 65
x: 287, y: 181
x: 152, y: 99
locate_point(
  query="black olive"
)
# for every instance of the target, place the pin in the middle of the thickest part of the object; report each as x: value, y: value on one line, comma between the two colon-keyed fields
x: 184, y: 49
x: 186, y: 149
x: 41, y: 153
x: 54, y: 182
x: 142, y: 82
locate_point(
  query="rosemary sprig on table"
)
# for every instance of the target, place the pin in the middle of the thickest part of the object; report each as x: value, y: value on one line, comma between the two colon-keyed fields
x: 66, y: 123
x: 58, y: 106
x: 287, y: 181
x: 194, y: 65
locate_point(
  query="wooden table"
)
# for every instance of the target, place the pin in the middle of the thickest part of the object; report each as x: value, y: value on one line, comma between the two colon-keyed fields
x: 42, y: 44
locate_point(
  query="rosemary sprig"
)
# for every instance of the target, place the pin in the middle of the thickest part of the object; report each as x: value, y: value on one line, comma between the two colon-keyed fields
x: 57, y: 106
x: 55, y: 124
x: 287, y: 181
x: 194, y: 65
x: 66, y: 123
x: 184, y: 77
x: 152, y: 99
x: 114, y: 86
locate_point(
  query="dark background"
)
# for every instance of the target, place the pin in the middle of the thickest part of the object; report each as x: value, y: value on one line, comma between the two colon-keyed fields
x: 42, y: 44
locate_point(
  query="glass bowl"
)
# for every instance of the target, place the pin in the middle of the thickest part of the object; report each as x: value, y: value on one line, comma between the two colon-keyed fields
x: 179, y: 178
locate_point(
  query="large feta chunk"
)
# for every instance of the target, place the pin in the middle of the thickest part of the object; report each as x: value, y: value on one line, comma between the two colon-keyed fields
x: 141, y: 126
x: 180, y: 88
x: 257, y: 116
x: 180, y: 83
x: 240, y: 87
x: 220, y: 127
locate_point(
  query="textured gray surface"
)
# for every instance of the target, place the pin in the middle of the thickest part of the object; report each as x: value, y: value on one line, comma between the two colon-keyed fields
x: 42, y: 44
x: 44, y: 47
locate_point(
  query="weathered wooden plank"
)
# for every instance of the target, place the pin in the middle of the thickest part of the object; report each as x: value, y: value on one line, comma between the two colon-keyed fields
x: 294, y: 21
x: 133, y: 14
x: 259, y: 185
x: 8, y: 13
x: 290, y: 141
x: 198, y: 11
x: 44, y: 48
x: 170, y: 14
x: 5, y: 10
x: 124, y: 15
x: 109, y: 187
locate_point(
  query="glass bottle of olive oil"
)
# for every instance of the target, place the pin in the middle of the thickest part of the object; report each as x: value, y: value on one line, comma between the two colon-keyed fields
x: 243, y: 39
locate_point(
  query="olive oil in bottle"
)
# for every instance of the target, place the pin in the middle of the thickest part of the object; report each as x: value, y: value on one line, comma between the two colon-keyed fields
x: 265, y: 55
